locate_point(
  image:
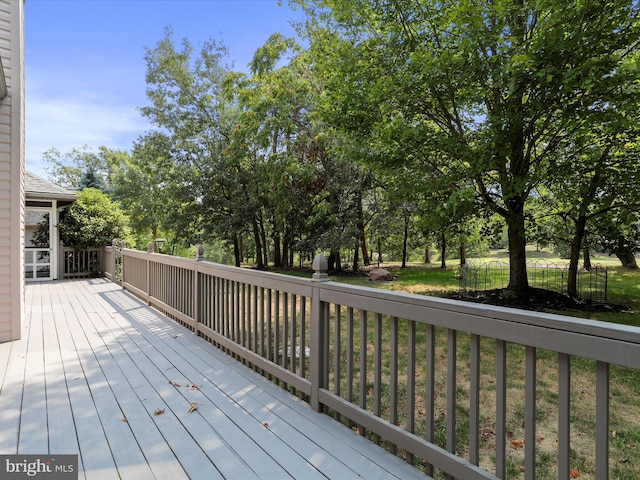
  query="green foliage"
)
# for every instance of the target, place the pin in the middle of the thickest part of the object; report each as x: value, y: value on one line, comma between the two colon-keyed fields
x: 82, y: 167
x: 42, y: 233
x: 144, y: 183
x: 92, y: 221
x: 401, y: 126
x: 91, y: 179
x: 491, y: 93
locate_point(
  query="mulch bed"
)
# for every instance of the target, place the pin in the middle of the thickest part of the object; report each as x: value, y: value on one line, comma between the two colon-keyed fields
x: 536, y: 299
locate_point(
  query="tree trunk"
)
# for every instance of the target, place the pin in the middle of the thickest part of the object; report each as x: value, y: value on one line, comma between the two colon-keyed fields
x: 265, y: 246
x: 333, y: 262
x: 626, y: 257
x: 277, y: 253
x: 463, y: 253
x: 586, y: 258
x: 379, y: 252
x: 258, y: 242
x: 574, y: 256
x: 518, y: 281
x: 404, y: 241
x: 287, y: 248
x: 427, y: 254
x: 291, y: 254
x: 237, y: 251
x: 356, y: 259
x: 366, y: 260
x: 363, y: 238
x: 443, y: 251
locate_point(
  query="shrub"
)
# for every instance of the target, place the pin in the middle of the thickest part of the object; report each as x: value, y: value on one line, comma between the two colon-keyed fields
x: 92, y: 221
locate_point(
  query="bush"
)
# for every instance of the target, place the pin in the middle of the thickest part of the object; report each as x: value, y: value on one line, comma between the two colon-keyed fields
x: 92, y: 221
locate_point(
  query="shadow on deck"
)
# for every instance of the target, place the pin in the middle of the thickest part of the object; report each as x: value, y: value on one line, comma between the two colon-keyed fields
x: 100, y: 374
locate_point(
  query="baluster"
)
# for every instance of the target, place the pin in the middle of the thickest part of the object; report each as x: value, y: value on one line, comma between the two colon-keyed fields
x: 286, y: 355
x: 277, y: 346
x: 262, y: 353
x: 474, y: 400
x: 349, y: 373
x: 564, y: 414
x: 411, y: 382
x: 293, y: 333
x: 452, y: 356
x: 530, y: 414
x: 303, y: 334
x: 377, y: 369
x: 337, y: 353
x: 245, y: 310
x: 501, y: 407
x: 430, y: 388
x: 393, y: 376
x: 602, y: 420
x: 253, y: 332
x: 363, y: 364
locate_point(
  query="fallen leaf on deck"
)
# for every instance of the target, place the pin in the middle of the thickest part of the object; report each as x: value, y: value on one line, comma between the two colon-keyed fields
x: 123, y: 419
x: 159, y: 411
x: 574, y: 473
x: 193, y: 407
x: 174, y: 384
x: 265, y: 425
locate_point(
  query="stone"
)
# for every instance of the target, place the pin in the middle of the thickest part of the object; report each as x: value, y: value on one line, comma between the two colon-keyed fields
x: 380, y: 275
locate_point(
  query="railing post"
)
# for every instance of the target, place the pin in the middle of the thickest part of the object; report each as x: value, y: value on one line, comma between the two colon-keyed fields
x: 147, y: 263
x: 61, y: 260
x: 319, y: 319
x: 114, y: 260
x: 122, y: 246
x: 197, y: 310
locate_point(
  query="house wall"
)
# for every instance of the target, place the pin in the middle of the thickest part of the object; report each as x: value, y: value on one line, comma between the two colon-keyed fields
x: 12, y: 170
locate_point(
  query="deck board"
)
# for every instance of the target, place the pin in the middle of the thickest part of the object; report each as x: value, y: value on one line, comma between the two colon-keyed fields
x: 34, y: 403
x: 94, y: 365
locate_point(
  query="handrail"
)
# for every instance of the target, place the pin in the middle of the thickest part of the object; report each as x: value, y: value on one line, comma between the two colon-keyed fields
x: 370, y: 358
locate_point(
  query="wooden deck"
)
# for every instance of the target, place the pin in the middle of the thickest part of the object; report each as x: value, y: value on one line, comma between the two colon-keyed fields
x: 100, y: 374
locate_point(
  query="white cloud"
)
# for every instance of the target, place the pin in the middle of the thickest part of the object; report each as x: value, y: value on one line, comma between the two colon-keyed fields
x: 92, y: 119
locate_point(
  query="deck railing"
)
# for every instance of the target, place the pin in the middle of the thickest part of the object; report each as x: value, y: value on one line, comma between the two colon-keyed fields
x: 85, y: 263
x: 452, y: 387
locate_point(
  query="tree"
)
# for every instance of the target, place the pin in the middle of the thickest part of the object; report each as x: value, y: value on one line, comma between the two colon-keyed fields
x: 187, y: 101
x: 496, y: 88
x: 618, y: 233
x: 271, y: 132
x: 92, y: 221
x: 91, y: 179
x: 144, y: 183
x: 82, y: 167
x: 597, y: 178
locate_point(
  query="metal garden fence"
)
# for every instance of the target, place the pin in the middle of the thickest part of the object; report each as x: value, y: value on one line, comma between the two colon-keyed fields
x: 592, y: 283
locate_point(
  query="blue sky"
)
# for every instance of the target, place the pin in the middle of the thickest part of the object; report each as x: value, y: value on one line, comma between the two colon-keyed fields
x: 84, y: 61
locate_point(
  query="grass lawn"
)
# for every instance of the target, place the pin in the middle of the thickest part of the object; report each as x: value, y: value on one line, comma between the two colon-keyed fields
x: 623, y: 289
x: 623, y: 283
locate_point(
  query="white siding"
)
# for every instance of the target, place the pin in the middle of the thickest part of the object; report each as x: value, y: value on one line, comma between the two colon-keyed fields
x: 12, y: 171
